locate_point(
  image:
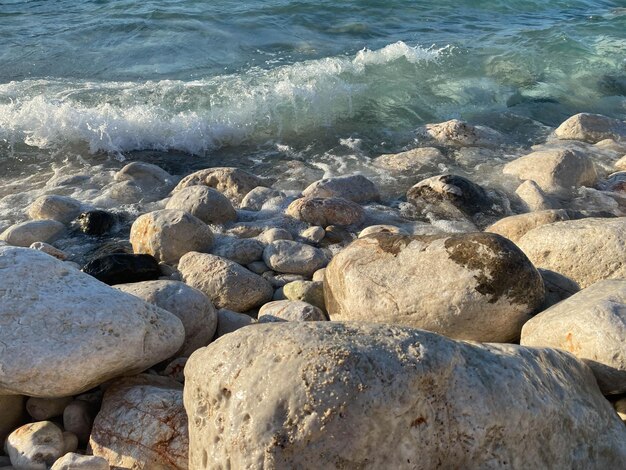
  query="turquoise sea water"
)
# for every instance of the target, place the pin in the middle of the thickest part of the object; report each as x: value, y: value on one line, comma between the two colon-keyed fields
x: 225, y: 80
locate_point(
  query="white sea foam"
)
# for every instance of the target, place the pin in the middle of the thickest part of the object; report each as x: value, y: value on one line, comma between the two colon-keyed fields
x: 195, y: 116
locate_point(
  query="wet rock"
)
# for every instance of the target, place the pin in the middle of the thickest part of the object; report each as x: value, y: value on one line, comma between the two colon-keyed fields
x: 91, y: 332
x: 72, y: 461
x: 306, y: 291
x: 382, y: 229
x: 534, y: 199
x: 122, y: 268
x: 207, y: 204
x: 243, y: 251
x: 356, y: 188
x: 49, y: 250
x: 234, y: 183
x: 290, y: 310
x: 227, y: 284
x: 425, y: 401
x: 291, y: 257
x: 27, y: 233
x: 142, y: 425
x: 169, y: 234
x: 193, y: 307
x: 586, y: 250
x: 326, y: 211
x: 274, y: 234
x: 590, y: 325
x: 516, y: 226
x: 416, y: 161
x: 42, y: 409
x: 229, y: 321
x: 476, y: 286
x: 11, y: 414
x: 462, y: 134
x: 96, y: 222
x: 614, y: 183
x: 449, y: 195
x: 312, y: 235
x: 591, y: 128
x: 558, y: 288
x: 555, y: 171
x: 147, y: 176
x: 256, y: 198
x: 78, y: 419
x: 52, y: 207
x: 35, y: 446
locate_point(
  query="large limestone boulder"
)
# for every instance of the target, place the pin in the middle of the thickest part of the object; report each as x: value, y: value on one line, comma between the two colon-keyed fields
x: 207, y: 204
x: 591, y: 325
x: 458, y: 133
x: 555, y: 171
x: 168, y: 234
x: 313, y: 395
x: 193, y: 307
x: 585, y: 250
x: 326, y: 211
x: 27, y: 233
x: 476, y: 286
x: 356, y: 188
x: 591, y: 128
x: 228, y: 284
x: 64, y: 332
x: 516, y: 226
x: 234, y: 183
x: 142, y: 425
x: 52, y: 207
x: 285, y: 256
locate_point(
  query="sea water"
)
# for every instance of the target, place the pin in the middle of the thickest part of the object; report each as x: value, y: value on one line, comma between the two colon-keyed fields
x: 296, y: 90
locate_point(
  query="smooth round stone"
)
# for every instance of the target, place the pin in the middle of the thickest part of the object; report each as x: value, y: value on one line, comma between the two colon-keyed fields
x: 96, y: 222
x: 516, y: 226
x: 313, y: 234
x: 318, y: 276
x: 256, y: 198
x: 207, y: 204
x: 70, y: 442
x: 292, y: 257
x: 122, y: 268
x: 42, y: 409
x: 381, y: 229
x: 27, y: 233
x: 73, y: 461
x: 52, y: 207
x: 229, y: 321
x: 326, y: 211
x: 258, y: 267
x: 274, y: 234
x: 356, y: 188
x: 35, y: 446
x: 240, y: 250
x: 458, y: 133
x: 591, y: 128
x: 307, y: 291
x: 290, y: 310
x: 78, y: 419
x: 145, y: 175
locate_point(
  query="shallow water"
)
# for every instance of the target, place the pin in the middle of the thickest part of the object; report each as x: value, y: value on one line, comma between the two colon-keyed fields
x: 296, y: 89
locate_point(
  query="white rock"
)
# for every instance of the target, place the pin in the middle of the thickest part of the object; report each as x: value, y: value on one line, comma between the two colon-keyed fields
x: 326, y: 211
x: 35, y: 446
x: 142, y: 425
x: 585, y: 250
x: 27, y: 233
x: 169, y: 234
x: 356, y: 188
x: 591, y: 128
x: 227, y: 284
x: 256, y: 198
x: 555, y: 171
x: 290, y: 310
x: 52, y: 207
x: 207, y: 204
x: 592, y: 326
x: 234, y: 183
x: 381, y: 229
x: 476, y: 286
x: 459, y: 133
x: 42, y: 409
x: 74, y: 461
x: 192, y: 306
x: 516, y: 226
x: 291, y: 257
x: 65, y: 332
x: 240, y: 250
x: 533, y: 197
x: 229, y: 321
x: 318, y: 395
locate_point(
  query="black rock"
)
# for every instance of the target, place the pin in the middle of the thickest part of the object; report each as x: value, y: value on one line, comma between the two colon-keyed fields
x: 121, y: 268
x: 96, y: 222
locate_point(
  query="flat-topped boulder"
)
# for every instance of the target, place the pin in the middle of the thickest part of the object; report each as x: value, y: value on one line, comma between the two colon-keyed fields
x: 476, y: 286
x: 65, y: 332
x: 591, y: 128
x: 312, y: 395
x: 585, y: 250
x: 591, y: 325
x: 356, y: 188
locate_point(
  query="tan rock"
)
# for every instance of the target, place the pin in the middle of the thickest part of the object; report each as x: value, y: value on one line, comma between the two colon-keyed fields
x: 476, y: 286
x: 35, y: 446
x: 42, y: 409
x: 591, y: 128
x: 290, y: 310
x: 306, y: 291
x: 326, y: 211
x: 229, y: 321
x: 52, y: 207
x: 534, y: 199
x: 356, y: 188
x: 169, y: 234
x: 416, y: 160
x: 460, y: 133
x: 142, y: 425
x: 620, y: 165
x: 425, y: 402
x: 516, y: 226
x: 285, y: 256
x: 590, y: 325
x: 72, y: 461
x: 234, y: 183
x: 382, y: 229
x: 207, y: 204
x: 27, y: 233
x: 586, y: 250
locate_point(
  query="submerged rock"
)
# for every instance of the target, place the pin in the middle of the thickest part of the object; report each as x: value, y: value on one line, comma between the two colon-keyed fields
x: 591, y: 128
x: 326, y: 211
x: 147, y: 176
x: 476, y: 286
x: 356, y: 188
x: 122, y: 268
x: 381, y: 396
x: 96, y: 222
x: 64, y: 332
x: 590, y: 325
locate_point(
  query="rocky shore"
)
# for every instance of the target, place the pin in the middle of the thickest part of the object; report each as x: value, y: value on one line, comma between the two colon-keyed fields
x: 239, y: 325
